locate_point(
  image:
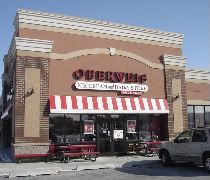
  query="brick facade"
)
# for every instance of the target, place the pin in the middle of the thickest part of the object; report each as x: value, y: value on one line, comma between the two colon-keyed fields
x: 19, y: 105
x: 171, y: 74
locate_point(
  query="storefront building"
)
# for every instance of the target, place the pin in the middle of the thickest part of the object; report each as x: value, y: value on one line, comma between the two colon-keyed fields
x: 76, y: 81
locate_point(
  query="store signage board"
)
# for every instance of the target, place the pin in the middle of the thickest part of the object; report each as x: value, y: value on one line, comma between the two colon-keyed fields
x: 88, y: 127
x: 131, y: 126
x: 115, y: 77
x: 118, y: 134
x: 101, y: 86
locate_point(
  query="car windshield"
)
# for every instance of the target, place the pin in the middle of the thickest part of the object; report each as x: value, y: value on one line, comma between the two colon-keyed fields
x: 184, y: 137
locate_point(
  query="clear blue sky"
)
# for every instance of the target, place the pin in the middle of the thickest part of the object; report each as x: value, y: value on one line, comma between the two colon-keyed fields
x: 190, y: 17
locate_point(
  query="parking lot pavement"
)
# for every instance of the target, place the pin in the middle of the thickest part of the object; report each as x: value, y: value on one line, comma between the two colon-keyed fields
x: 137, y: 172
x: 12, y: 170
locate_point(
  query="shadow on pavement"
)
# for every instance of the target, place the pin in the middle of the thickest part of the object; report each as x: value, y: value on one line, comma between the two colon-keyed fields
x: 154, y: 168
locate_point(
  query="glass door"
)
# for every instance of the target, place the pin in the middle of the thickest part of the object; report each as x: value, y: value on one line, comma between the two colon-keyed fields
x: 110, y: 135
x: 118, y: 136
x: 104, y: 136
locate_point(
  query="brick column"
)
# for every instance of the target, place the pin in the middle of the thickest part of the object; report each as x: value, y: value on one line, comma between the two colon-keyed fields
x: 39, y: 144
x: 175, y: 77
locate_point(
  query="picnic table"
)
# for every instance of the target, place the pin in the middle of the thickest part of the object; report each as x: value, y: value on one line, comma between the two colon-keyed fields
x: 148, y: 147
x: 86, y: 151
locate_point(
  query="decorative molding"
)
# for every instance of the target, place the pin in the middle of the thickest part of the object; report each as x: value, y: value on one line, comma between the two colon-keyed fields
x: 101, y: 27
x: 197, y: 74
x: 78, y: 53
x: 198, y: 102
x: 112, y: 51
x: 36, y: 45
x: 95, y: 51
x: 95, y: 35
x: 33, y: 54
x: 174, y: 60
x: 175, y: 67
x: 31, y: 144
x: 198, y: 81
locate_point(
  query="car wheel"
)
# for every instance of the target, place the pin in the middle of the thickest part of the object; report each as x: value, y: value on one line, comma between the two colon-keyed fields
x: 165, y: 158
x: 207, y: 163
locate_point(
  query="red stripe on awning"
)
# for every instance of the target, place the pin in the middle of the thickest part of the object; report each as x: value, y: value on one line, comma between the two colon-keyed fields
x: 133, y: 106
x: 63, y: 102
x: 114, y: 103
x: 84, y: 102
x: 158, y: 104
x: 105, y: 105
x: 141, y: 103
x: 124, y: 106
x: 74, y: 102
x: 150, y: 104
x: 95, y: 103
x: 166, y: 104
x: 52, y: 102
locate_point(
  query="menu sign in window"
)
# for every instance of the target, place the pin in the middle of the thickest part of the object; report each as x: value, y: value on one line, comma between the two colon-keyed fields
x: 88, y: 127
x: 131, y: 126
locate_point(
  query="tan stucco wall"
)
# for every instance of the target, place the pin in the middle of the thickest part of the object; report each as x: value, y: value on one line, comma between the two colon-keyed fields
x: 177, y: 105
x: 66, y: 43
x: 32, y: 103
x: 61, y: 81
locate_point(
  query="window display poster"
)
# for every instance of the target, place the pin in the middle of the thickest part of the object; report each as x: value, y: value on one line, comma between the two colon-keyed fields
x: 88, y: 127
x: 118, y: 134
x: 131, y: 126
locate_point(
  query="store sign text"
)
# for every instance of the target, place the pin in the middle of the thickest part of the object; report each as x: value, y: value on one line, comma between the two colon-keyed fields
x: 111, y: 86
x: 118, y: 77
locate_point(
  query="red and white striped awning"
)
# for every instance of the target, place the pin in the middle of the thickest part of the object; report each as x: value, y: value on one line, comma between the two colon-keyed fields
x: 83, y: 104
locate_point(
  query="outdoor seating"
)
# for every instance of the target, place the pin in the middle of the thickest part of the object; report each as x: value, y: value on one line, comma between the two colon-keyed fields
x: 65, y: 153
x: 148, y: 148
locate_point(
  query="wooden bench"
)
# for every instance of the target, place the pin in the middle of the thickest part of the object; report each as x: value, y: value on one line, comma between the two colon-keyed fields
x: 20, y: 157
x: 65, y: 153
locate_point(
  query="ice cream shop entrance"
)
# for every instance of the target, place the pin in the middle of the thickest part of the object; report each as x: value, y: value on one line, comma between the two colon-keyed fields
x: 110, y: 133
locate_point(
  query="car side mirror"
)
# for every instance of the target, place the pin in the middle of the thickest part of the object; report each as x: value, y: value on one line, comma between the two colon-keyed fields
x: 175, y: 141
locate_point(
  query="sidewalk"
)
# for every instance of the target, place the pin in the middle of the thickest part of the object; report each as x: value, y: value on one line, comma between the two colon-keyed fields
x: 11, y: 170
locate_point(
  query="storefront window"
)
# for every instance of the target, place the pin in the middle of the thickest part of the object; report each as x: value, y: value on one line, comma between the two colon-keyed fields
x: 199, y: 116
x: 144, y: 128
x: 207, y: 115
x: 64, y: 128
x: 72, y: 128
x: 155, y: 126
x: 190, y: 116
x: 56, y: 128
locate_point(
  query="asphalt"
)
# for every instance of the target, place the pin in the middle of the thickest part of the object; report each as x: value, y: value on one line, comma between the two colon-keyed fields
x: 11, y: 169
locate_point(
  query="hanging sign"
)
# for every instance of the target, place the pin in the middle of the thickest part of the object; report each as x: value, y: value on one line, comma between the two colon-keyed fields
x: 131, y: 126
x: 88, y: 127
x: 118, y: 134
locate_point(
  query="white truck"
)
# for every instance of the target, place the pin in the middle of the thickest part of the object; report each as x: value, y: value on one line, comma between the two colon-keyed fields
x: 192, y: 145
